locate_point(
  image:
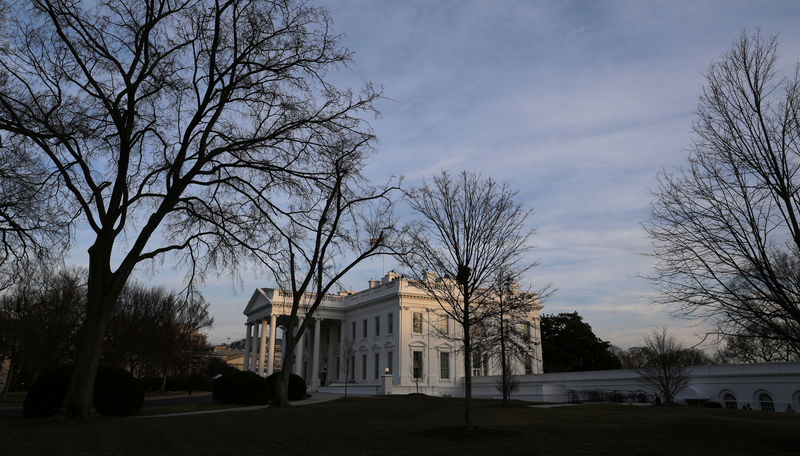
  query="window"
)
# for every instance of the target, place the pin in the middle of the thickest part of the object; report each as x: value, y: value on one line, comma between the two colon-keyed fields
x: 377, y: 365
x: 444, y: 365
x: 364, y: 328
x: 765, y: 401
x: 416, y: 323
x: 730, y: 401
x: 377, y: 326
x: 479, y: 361
x: 417, y: 364
x: 390, y: 323
x: 364, y: 366
x: 527, y: 329
x: 390, y: 361
x: 528, y: 365
x: 353, y: 325
x: 443, y: 324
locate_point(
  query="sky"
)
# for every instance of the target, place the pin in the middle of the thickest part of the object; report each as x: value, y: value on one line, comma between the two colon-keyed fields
x: 578, y: 105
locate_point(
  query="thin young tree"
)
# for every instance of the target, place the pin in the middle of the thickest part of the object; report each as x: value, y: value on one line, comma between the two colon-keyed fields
x: 336, y: 222
x: 347, y: 353
x: 511, y: 330
x: 726, y: 227
x: 172, y: 127
x: 468, y: 229
x: 666, y: 366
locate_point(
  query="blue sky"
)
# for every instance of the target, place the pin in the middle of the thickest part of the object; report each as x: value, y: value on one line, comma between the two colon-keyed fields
x: 577, y: 105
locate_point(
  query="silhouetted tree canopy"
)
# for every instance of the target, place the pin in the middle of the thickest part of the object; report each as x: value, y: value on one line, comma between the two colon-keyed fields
x: 173, y: 127
x: 726, y: 227
x: 568, y: 345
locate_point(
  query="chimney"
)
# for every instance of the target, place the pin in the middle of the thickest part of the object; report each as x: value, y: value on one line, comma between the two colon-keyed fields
x: 373, y: 283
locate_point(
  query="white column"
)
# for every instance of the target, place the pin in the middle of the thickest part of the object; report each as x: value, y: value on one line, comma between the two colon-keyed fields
x: 271, y: 352
x: 341, y: 373
x: 262, y: 347
x: 315, y: 354
x: 248, y: 343
x: 253, y: 350
x: 298, y: 353
x: 330, y: 376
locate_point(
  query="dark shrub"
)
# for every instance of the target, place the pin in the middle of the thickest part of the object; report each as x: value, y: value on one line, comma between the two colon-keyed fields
x: 242, y: 388
x: 297, y: 386
x: 47, y: 393
x: 712, y: 404
x: 217, y: 366
x: 116, y: 392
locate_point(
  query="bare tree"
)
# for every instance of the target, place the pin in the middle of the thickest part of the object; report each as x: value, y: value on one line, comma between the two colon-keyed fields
x: 172, y: 127
x: 347, y: 353
x: 666, y: 366
x: 469, y: 229
x: 511, y: 331
x: 746, y: 347
x: 417, y: 371
x: 33, y: 222
x: 40, y: 319
x: 338, y: 221
x: 153, y: 331
x: 725, y: 228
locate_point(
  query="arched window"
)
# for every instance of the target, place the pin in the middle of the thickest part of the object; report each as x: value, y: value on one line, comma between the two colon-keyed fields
x: 730, y: 401
x: 766, y: 403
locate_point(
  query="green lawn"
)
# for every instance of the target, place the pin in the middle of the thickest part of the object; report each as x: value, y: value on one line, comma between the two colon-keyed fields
x: 415, y: 426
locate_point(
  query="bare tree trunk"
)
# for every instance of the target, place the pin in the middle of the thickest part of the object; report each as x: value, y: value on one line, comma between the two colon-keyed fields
x: 102, y: 292
x: 503, y: 362
x: 163, y: 380
x: 9, y: 378
x: 280, y: 391
x: 467, y: 368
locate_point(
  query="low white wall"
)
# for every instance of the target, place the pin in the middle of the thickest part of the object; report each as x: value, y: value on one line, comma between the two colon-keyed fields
x: 745, y: 381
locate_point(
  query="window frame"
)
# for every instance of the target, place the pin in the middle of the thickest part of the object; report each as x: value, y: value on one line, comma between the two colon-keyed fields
x: 444, y: 365
x: 417, y: 369
x: 416, y: 325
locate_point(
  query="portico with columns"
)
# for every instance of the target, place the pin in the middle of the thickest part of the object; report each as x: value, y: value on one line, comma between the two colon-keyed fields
x: 376, y: 339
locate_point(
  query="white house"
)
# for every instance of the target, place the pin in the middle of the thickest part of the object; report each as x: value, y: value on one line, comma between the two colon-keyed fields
x: 392, y: 324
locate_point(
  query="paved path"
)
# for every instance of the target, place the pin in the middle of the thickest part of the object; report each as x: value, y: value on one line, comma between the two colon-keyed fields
x: 316, y: 398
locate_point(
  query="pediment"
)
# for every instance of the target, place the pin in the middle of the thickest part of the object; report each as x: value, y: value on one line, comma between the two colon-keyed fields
x: 257, y: 301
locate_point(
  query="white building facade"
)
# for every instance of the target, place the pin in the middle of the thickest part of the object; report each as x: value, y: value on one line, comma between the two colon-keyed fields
x: 392, y: 338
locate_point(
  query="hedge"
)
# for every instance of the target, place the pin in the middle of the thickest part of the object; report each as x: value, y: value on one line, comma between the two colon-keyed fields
x: 116, y: 392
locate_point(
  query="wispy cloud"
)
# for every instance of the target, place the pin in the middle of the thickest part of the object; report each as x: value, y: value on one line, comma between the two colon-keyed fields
x: 576, y: 104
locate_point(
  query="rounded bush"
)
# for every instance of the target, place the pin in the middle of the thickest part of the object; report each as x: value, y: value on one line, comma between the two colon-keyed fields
x: 116, y: 392
x: 297, y: 386
x: 242, y: 388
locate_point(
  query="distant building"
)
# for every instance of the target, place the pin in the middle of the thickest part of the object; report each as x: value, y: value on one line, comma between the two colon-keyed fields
x: 233, y: 353
x: 393, y: 324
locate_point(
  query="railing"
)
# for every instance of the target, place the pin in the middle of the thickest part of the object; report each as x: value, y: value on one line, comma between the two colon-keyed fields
x: 596, y: 395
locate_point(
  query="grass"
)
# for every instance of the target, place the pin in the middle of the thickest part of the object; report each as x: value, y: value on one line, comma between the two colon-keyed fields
x: 400, y: 425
